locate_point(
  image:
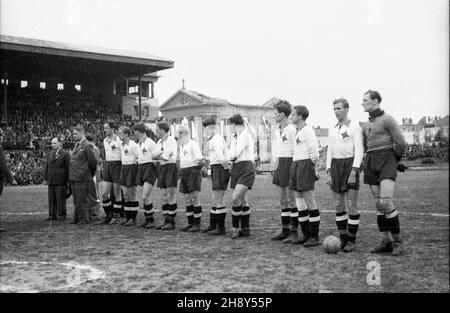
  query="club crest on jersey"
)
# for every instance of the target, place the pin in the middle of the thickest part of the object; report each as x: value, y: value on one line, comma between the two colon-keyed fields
x: 298, y: 141
x: 344, y: 135
x: 284, y: 138
x: 126, y: 151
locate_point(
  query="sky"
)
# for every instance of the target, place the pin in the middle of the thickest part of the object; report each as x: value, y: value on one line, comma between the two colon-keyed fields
x: 306, y: 52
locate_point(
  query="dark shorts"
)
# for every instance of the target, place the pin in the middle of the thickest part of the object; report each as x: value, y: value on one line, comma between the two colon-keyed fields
x: 340, y: 172
x: 243, y: 173
x: 128, y: 175
x: 380, y: 165
x: 146, y: 173
x: 111, y: 171
x: 167, y: 176
x: 190, y: 179
x: 219, y: 177
x: 303, y: 175
x: 281, y: 175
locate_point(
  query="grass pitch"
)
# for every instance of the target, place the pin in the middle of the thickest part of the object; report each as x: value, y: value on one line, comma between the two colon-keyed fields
x: 138, y: 260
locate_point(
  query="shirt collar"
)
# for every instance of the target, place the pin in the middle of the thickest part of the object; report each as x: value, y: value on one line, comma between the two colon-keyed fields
x: 376, y: 113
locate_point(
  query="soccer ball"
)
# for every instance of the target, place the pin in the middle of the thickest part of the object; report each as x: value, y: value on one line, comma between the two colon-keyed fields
x: 332, y: 244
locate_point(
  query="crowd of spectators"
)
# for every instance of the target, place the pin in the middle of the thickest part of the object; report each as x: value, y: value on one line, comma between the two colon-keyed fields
x: 26, y: 166
x: 436, y: 151
x: 35, y: 117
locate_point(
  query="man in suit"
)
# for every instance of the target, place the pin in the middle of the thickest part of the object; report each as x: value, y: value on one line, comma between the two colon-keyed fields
x: 93, y: 194
x: 81, y: 171
x: 57, y: 178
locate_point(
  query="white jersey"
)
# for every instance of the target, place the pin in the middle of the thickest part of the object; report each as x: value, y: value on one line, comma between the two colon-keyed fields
x: 169, y: 150
x: 130, y: 153
x: 146, y: 151
x: 306, y: 144
x: 217, y: 149
x: 285, y: 139
x: 190, y: 154
x: 345, y: 141
x: 112, y: 148
x: 242, y: 147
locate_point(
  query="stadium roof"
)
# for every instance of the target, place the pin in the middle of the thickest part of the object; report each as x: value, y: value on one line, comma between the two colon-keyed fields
x: 24, y: 57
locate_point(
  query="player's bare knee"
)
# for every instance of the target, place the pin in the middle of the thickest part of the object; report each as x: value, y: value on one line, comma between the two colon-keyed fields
x: 378, y: 205
x: 340, y: 207
x: 387, y: 204
x: 353, y: 210
x: 237, y: 200
x: 300, y: 203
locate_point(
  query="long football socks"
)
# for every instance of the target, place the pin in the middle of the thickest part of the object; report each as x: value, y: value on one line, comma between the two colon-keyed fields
x: 341, y: 223
x: 314, y: 223
x: 353, y: 224
x: 245, y: 219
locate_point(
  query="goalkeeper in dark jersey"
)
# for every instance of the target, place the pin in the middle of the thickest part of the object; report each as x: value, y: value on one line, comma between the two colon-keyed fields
x: 385, y: 145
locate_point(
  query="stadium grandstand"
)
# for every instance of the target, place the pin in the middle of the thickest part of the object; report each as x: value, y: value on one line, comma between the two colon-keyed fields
x: 47, y: 87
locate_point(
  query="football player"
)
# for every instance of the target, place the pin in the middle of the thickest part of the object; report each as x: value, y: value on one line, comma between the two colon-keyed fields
x: 284, y: 149
x: 146, y: 173
x: 303, y: 176
x: 166, y: 154
x: 190, y: 178
x: 220, y: 176
x: 129, y: 155
x: 344, y: 156
x: 111, y: 173
x: 242, y: 155
x: 385, y: 145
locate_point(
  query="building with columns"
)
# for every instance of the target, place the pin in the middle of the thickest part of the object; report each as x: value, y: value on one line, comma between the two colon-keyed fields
x: 191, y: 108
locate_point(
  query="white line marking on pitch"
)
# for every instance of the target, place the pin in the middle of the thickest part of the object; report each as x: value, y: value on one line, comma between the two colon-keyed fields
x: 73, y: 279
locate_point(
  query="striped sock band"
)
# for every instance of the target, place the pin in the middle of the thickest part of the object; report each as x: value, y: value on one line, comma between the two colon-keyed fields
x: 393, y: 222
x: 134, y: 209
x: 303, y: 219
x: 117, y: 205
x: 382, y: 222
x: 236, y: 216
x: 165, y: 209
x: 190, y: 214
x: 148, y: 211
x: 221, y: 214
x: 285, y: 218
x: 245, y: 218
x: 353, y: 224
x: 341, y: 223
x: 197, y: 214
x: 172, y: 209
x: 314, y: 222
x: 294, y: 214
x: 126, y: 208
x: 107, y: 206
x: 213, y: 216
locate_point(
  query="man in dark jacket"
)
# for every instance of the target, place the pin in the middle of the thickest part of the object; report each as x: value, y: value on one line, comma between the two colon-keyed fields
x: 57, y: 178
x: 93, y: 194
x: 81, y: 171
